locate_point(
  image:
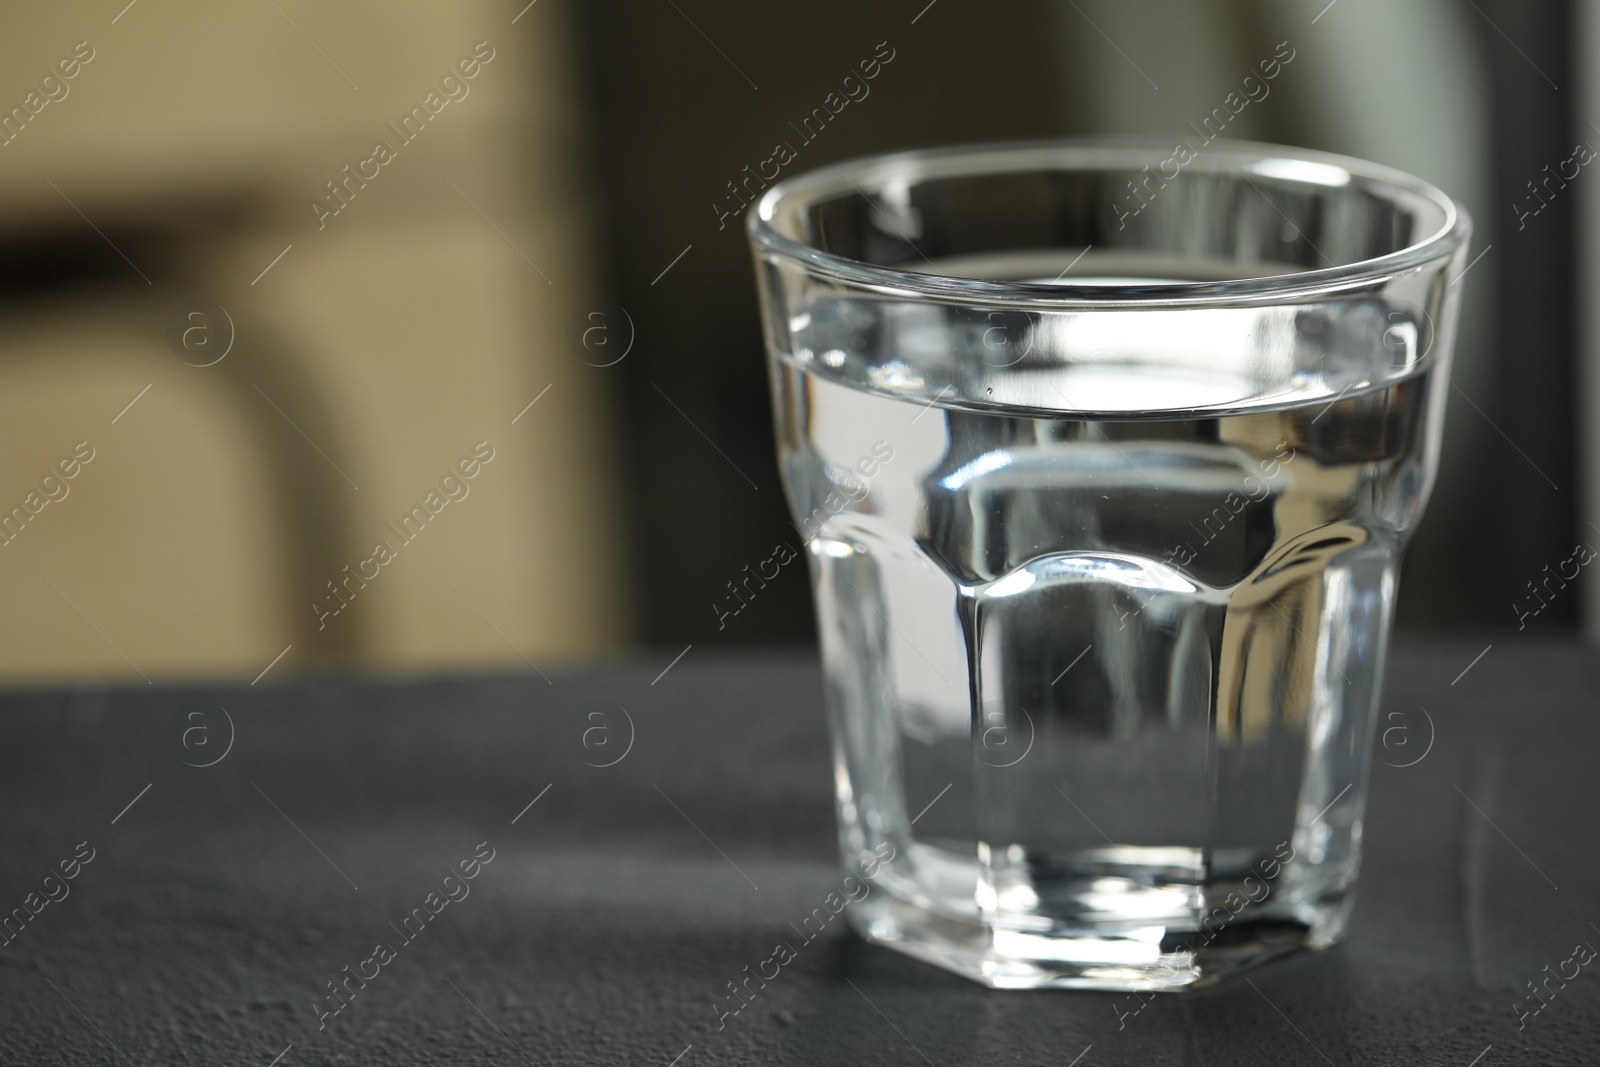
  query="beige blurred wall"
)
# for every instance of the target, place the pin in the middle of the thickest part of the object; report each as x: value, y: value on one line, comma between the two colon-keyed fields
x: 408, y: 329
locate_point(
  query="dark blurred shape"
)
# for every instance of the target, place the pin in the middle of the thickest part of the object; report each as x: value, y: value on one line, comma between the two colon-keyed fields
x: 1535, y: 520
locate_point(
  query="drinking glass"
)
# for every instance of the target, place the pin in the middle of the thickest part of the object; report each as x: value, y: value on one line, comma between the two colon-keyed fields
x: 1105, y: 455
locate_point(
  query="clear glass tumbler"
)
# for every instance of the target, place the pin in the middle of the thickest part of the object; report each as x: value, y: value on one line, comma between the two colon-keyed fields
x: 1105, y: 456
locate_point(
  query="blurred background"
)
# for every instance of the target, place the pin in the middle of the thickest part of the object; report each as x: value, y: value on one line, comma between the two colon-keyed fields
x: 285, y: 281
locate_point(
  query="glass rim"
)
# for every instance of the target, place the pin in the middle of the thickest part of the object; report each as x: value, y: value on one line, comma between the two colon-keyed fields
x: 1279, y: 162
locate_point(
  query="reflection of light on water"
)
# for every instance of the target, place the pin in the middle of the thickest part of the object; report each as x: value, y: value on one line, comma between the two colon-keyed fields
x: 1097, y: 387
x: 1142, y: 361
x: 987, y: 463
x: 1124, y: 570
x: 895, y: 374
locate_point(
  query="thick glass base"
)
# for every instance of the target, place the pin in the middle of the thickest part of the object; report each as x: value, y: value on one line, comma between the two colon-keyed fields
x: 1160, y: 954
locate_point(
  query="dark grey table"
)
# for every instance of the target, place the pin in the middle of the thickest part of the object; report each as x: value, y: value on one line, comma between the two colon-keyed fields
x: 220, y: 901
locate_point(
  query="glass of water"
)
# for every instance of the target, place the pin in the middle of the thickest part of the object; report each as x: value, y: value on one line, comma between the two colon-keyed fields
x: 1105, y: 456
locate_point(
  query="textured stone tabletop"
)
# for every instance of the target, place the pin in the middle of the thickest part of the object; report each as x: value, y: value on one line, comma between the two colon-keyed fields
x: 505, y: 900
